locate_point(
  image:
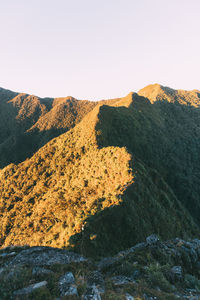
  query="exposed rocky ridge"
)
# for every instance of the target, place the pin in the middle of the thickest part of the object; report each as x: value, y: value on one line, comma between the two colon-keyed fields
x: 150, y: 270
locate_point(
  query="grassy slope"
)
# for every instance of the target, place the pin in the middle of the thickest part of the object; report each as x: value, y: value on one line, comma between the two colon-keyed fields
x: 163, y: 135
x: 101, y: 173
x: 69, y: 176
x: 28, y: 122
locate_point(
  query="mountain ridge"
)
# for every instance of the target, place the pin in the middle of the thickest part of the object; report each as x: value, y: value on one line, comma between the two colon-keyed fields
x: 113, y: 173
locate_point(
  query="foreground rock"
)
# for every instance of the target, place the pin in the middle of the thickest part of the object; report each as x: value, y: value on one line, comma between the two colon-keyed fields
x: 149, y: 270
x: 96, y: 279
x: 40, y: 256
x: 30, y: 289
x: 67, y: 285
x: 92, y: 293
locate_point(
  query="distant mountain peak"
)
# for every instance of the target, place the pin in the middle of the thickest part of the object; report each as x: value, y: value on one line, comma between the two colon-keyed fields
x: 156, y: 92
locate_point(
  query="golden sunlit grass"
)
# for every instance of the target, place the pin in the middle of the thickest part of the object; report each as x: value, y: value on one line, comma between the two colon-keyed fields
x: 112, y: 174
x: 47, y: 198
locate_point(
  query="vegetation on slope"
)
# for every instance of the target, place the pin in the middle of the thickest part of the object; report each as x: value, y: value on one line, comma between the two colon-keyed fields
x: 28, y: 122
x: 109, y: 180
x: 63, y: 183
x: 165, y: 136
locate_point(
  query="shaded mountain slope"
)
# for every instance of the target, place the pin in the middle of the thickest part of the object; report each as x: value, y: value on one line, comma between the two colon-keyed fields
x: 69, y: 176
x: 163, y: 135
x: 28, y: 122
x: 101, y: 176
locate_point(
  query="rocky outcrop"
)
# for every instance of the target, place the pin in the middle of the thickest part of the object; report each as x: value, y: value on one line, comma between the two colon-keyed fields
x: 67, y: 285
x: 150, y: 270
x: 45, y: 256
x: 30, y: 289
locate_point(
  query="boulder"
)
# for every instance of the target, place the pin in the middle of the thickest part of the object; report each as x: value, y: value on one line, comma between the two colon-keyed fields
x: 38, y: 271
x: 29, y: 289
x: 129, y: 297
x: 41, y: 256
x: 122, y: 280
x: 67, y: 285
x: 152, y: 239
x: 95, y: 278
x: 106, y: 262
x: 10, y: 254
x: 176, y: 274
x: 92, y: 293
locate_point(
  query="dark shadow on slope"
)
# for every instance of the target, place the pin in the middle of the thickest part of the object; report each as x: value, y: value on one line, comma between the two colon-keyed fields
x: 165, y: 136
x: 19, y: 147
x: 149, y: 206
x: 28, y: 122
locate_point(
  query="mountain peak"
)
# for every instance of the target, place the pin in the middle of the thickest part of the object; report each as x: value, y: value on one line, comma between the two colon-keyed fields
x: 155, y: 92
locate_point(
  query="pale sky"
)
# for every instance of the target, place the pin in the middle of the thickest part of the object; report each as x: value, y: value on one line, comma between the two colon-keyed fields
x: 98, y: 49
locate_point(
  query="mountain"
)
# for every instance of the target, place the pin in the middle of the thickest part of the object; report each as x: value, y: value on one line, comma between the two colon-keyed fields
x: 157, y: 92
x: 124, y: 168
x: 28, y: 122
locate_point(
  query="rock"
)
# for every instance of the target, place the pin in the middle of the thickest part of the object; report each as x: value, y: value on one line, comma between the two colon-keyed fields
x: 152, y: 239
x: 8, y: 254
x: 1, y: 270
x: 121, y: 280
x: 91, y: 293
x: 38, y: 256
x: 14, y: 272
x: 14, y: 248
x: 139, y: 246
x: 67, y: 278
x: 196, y: 242
x: 37, y: 271
x: 146, y: 297
x: 107, y: 262
x: 193, y: 255
x: 135, y: 274
x: 29, y: 289
x: 197, y: 266
x: 124, y: 253
x: 70, y: 291
x: 96, y: 279
x: 129, y: 297
x: 67, y: 285
x: 179, y: 242
x: 176, y: 274
x: 110, y: 261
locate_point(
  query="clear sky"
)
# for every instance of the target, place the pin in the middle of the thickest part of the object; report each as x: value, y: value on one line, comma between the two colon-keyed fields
x: 98, y: 49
